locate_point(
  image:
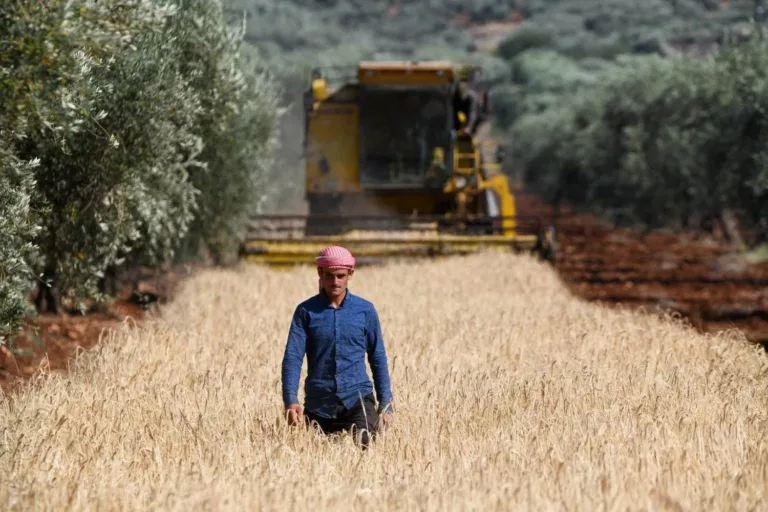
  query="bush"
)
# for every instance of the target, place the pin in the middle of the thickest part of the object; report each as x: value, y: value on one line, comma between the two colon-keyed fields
x: 526, y: 37
x: 541, y: 79
x: 662, y: 144
x: 236, y: 126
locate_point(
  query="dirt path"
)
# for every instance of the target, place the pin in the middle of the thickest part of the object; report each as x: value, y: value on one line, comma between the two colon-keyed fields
x: 697, y: 276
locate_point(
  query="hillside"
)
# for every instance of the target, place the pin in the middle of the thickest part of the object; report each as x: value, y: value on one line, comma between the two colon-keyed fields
x: 558, y: 404
x: 300, y: 34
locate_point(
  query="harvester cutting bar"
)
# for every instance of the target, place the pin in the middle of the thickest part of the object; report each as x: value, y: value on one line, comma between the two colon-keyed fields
x: 375, y: 238
x: 416, y: 217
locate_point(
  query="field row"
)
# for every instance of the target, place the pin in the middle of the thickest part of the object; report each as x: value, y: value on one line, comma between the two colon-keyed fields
x: 510, y: 394
x: 698, y: 276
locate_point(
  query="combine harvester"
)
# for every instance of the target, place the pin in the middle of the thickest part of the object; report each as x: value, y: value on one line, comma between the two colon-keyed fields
x: 392, y: 174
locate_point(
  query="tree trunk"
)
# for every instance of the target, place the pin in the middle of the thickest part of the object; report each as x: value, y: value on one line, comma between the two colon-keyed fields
x: 731, y: 227
x: 108, y: 283
x: 48, y: 298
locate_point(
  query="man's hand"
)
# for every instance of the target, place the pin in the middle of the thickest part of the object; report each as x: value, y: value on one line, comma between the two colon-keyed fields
x: 386, y: 419
x: 294, y: 413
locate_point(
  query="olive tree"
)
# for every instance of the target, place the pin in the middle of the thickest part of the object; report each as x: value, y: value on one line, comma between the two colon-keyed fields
x: 237, y: 125
x: 112, y: 122
x: 111, y: 100
x: 17, y: 230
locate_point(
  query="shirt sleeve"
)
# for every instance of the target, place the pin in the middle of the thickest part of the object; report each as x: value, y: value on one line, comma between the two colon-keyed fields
x: 377, y: 358
x: 295, y: 349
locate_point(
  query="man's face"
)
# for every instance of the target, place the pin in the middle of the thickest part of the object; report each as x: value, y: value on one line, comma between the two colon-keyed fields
x: 334, y: 281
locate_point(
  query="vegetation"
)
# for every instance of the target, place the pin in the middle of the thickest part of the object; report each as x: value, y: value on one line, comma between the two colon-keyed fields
x: 608, y: 105
x: 123, y: 127
x: 660, y: 143
x: 142, y: 132
x: 17, y: 229
x: 559, y: 404
x: 138, y: 132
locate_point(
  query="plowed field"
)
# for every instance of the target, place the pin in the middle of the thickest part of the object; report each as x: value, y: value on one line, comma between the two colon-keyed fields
x: 698, y: 276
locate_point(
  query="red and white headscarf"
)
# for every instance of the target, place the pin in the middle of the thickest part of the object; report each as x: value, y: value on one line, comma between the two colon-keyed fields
x: 335, y: 257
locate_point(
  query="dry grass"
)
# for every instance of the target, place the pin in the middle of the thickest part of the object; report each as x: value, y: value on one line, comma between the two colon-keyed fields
x: 511, y: 394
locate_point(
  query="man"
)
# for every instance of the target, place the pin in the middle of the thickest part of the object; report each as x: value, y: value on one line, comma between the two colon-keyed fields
x: 335, y: 330
x: 467, y: 102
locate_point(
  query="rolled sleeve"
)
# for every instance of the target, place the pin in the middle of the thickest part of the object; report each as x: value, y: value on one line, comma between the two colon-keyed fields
x: 293, y: 358
x: 377, y: 358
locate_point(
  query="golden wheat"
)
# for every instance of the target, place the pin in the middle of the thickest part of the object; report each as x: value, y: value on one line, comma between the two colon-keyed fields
x: 510, y: 393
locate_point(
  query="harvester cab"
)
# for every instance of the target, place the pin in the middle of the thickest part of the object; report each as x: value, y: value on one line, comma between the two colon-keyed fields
x: 398, y: 166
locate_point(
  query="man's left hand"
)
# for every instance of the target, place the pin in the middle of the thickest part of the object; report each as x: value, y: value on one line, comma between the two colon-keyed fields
x: 386, y: 419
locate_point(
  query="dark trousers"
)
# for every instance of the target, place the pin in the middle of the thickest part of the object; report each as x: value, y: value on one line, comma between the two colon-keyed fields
x: 361, y: 420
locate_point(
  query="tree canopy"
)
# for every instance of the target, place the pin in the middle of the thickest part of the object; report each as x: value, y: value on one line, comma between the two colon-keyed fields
x: 128, y: 130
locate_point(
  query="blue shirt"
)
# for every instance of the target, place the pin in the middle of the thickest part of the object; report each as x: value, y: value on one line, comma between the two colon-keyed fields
x: 335, y: 341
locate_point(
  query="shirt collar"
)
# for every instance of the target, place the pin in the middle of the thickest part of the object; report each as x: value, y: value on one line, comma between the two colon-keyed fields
x: 327, y: 301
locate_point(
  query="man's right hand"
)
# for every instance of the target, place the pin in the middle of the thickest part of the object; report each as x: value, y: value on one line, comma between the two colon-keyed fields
x: 294, y: 413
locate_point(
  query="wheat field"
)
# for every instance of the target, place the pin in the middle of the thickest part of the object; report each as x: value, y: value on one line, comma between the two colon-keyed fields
x: 511, y: 394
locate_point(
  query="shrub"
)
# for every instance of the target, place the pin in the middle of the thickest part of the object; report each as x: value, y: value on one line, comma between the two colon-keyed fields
x: 525, y: 37
x: 662, y: 143
x: 236, y: 126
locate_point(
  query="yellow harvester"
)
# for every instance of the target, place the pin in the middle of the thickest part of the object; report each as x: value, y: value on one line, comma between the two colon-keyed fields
x: 390, y: 173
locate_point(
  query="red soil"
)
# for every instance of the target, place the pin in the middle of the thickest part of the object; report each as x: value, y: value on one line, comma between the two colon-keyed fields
x: 699, y: 276
x: 48, y: 342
